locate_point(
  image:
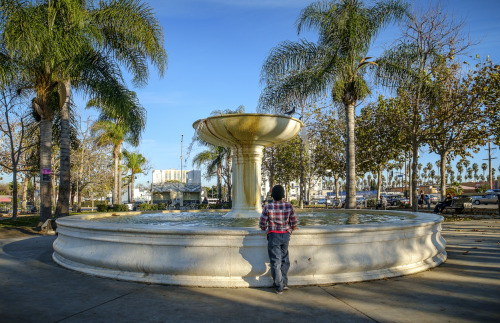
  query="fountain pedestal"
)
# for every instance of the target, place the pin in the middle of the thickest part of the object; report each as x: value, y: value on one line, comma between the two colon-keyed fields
x: 247, y: 135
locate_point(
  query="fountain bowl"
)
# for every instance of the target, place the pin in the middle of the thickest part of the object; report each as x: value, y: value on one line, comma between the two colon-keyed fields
x: 245, y: 129
x: 237, y: 257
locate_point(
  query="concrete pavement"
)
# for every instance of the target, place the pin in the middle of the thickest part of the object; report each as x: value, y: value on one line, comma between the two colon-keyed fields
x: 466, y: 288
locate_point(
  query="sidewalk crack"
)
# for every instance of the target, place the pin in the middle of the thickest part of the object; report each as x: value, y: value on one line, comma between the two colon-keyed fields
x: 103, y: 303
x: 346, y: 303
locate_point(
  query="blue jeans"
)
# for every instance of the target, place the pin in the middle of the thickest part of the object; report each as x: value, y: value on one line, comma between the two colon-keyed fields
x: 277, y: 248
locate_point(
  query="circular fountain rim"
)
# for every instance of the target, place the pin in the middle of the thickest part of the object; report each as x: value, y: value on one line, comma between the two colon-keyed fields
x: 82, y: 221
x: 247, y: 114
x: 237, y: 257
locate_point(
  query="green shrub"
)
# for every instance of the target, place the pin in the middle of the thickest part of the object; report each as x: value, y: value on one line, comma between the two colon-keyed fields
x: 204, y: 206
x: 102, y: 207
x: 148, y: 207
x: 371, y: 203
x: 120, y: 208
x: 294, y: 202
x: 162, y: 206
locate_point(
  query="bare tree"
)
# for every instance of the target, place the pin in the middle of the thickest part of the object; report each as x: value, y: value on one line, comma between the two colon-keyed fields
x: 429, y: 40
x: 14, y: 143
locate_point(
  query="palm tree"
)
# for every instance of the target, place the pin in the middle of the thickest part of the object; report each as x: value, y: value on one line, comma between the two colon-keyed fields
x: 475, y: 168
x: 115, y: 125
x: 336, y: 64
x: 134, y: 162
x: 484, y: 167
x: 213, y: 158
x: 109, y: 133
x: 433, y: 175
x: 76, y: 43
x: 468, y: 174
x: 460, y: 169
x: 216, y: 156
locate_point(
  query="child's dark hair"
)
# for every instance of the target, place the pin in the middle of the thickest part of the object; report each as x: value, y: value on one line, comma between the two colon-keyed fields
x: 278, y: 193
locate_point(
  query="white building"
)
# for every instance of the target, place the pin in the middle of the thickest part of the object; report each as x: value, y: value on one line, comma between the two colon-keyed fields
x: 294, y: 189
x: 139, y: 196
x: 176, y: 187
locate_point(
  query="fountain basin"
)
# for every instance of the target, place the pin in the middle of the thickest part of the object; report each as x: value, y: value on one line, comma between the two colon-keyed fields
x: 237, y: 257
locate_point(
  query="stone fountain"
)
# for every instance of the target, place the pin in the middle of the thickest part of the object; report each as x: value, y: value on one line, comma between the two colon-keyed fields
x: 247, y: 135
x: 237, y: 256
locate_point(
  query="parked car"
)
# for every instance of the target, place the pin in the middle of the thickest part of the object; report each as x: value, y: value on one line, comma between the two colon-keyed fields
x: 323, y: 201
x: 485, y: 199
x: 404, y: 201
x: 393, y: 200
x: 493, y: 191
x: 434, y: 198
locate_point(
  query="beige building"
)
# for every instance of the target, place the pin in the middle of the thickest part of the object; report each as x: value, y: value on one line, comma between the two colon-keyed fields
x: 176, y: 187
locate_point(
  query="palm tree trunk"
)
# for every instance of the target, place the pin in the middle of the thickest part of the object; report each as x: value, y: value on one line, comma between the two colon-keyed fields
x: 132, y: 188
x: 79, y: 207
x: 25, y: 193
x: 350, y: 202
x: 219, y: 183
x: 336, y: 179
x: 73, y: 193
x: 45, y: 166
x: 53, y: 189
x: 116, y: 176
x: 119, y: 186
x: 379, y: 183
x: 62, y: 208
x: 414, y: 179
x: 302, y: 175
x: 229, y: 161
x: 442, y: 168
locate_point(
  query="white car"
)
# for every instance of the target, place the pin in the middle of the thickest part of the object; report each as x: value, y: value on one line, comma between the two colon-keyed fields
x: 485, y: 199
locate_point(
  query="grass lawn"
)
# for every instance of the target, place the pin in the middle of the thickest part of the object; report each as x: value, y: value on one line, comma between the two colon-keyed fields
x: 23, y: 221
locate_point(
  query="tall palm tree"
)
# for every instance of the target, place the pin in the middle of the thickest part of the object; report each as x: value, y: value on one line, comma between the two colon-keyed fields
x: 109, y: 133
x: 335, y: 65
x: 213, y: 158
x: 77, y: 43
x: 117, y: 124
x: 475, y: 169
x: 484, y: 167
x: 135, y: 163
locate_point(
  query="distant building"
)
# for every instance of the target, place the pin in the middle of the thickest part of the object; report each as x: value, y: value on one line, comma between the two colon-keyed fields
x: 293, y: 189
x: 139, y: 196
x: 176, y: 187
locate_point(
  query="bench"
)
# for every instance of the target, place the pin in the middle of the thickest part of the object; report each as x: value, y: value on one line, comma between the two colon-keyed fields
x: 460, y: 204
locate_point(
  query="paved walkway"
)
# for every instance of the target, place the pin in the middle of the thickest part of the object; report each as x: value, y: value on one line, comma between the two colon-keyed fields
x: 464, y: 289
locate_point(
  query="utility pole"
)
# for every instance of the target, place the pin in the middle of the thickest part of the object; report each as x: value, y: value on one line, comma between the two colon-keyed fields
x: 489, y: 164
x: 182, y: 139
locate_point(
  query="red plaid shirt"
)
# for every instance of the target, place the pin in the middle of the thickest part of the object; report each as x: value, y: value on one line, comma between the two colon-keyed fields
x: 278, y: 216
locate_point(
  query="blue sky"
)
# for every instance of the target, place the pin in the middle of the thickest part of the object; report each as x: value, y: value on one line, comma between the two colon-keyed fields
x: 215, y: 52
x: 216, y: 49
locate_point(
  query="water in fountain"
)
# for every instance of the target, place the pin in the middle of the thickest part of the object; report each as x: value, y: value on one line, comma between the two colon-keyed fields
x: 211, y: 219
